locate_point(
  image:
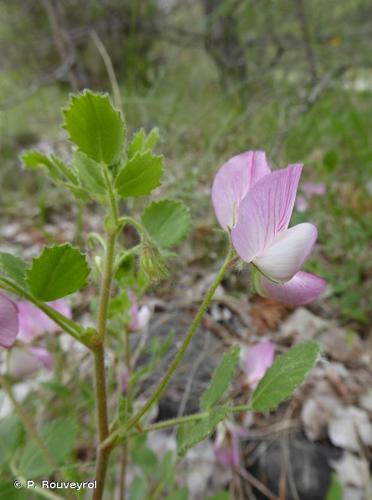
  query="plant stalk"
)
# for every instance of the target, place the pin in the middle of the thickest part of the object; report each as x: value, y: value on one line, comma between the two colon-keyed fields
x: 99, y: 368
x: 116, y: 437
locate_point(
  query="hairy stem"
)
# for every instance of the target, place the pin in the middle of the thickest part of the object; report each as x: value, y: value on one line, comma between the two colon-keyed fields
x: 99, y: 367
x: 119, y: 435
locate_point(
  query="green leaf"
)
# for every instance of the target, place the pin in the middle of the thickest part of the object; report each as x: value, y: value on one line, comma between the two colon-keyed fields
x: 140, y: 175
x: 10, y: 430
x: 57, y: 169
x: 188, y: 435
x: 143, y: 456
x: 141, y: 143
x: 58, y: 271
x: 221, y: 378
x: 90, y: 175
x: 334, y: 491
x: 95, y: 126
x: 286, y: 373
x: 59, y: 437
x: 13, y: 267
x: 137, y: 489
x: 166, y: 221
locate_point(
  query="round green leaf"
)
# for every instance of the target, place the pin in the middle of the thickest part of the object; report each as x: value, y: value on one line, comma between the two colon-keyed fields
x: 167, y: 222
x: 95, y: 126
x: 58, y: 271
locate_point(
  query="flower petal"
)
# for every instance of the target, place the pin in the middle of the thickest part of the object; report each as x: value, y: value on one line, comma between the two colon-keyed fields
x: 8, y: 321
x: 301, y: 289
x: 233, y: 181
x: 33, y: 322
x: 265, y: 212
x: 256, y: 360
x: 285, y: 256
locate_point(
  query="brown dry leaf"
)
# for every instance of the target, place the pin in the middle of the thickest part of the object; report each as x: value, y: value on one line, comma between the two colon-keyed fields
x: 267, y: 313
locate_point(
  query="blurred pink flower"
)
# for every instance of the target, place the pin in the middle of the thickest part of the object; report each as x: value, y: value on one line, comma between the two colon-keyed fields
x: 139, y: 317
x: 233, y: 181
x: 309, y: 190
x: 226, y: 444
x: 33, y: 322
x: 301, y: 204
x: 255, y: 360
x: 261, y: 237
x: 9, y: 323
x: 25, y: 361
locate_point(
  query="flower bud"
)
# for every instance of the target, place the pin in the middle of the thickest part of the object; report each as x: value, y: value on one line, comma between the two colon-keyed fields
x: 152, y: 262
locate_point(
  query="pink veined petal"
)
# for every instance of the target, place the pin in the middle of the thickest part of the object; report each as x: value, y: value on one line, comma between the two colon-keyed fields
x: 256, y: 360
x: 233, y: 181
x: 265, y: 212
x: 9, y: 323
x: 285, y: 256
x: 301, y: 289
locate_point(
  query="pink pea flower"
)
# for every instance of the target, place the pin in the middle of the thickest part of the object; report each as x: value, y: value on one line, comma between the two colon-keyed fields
x: 255, y: 360
x: 9, y: 323
x: 33, y: 322
x: 261, y: 237
x: 226, y: 444
x: 139, y: 317
x: 232, y: 183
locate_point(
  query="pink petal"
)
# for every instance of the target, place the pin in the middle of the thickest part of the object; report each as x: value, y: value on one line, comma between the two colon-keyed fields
x: 285, y: 256
x: 265, y: 212
x: 33, y: 322
x: 233, y: 181
x: 256, y: 360
x: 9, y: 323
x: 301, y: 289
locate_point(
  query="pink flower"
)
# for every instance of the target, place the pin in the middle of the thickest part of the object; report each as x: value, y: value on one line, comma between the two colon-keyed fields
x: 309, y: 190
x: 28, y: 360
x: 139, y: 318
x: 255, y: 360
x: 226, y: 445
x: 232, y: 183
x: 9, y: 324
x: 33, y: 322
x: 261, y: 237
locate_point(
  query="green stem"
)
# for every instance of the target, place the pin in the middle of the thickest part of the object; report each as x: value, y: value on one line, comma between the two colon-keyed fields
x: 99, y: 368
x: 111, y: 196
x: 172, y: 422
x: 23, y: 416
x: 120, y: 434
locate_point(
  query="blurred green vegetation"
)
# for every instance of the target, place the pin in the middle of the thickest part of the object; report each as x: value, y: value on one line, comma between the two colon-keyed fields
x: 217, y: 77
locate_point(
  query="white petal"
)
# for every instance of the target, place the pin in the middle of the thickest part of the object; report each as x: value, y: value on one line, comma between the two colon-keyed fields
x: 285, y: 256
